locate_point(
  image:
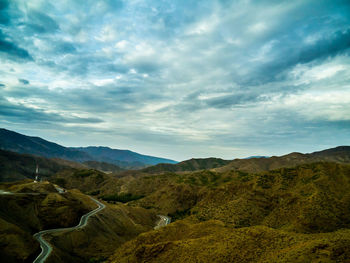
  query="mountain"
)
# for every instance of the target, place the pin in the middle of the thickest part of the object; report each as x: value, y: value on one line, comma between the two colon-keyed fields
x: 115, y: 156
x: 256, y: 156
x: 16, y: 142
x: 340, y: 154
x: 188, y: 165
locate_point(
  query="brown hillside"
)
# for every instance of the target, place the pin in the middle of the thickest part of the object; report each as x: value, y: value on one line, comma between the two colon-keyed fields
x: 296, y: 214
x: 211, y: 241
x: 33, y: 207
x: 105, y: 231
x: 339, y: 154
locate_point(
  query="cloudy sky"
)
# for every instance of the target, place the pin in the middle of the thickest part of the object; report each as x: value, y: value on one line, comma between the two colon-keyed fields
x: 178, y: 78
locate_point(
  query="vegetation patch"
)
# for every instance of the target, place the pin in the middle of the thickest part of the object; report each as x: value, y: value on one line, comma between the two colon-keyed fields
x: 266, y: 181
x: 244, y: 176
x: 84, y: 173
x: 95, y: 192
x: 123, y: 198
x: 59, y: 181
x: 180, y: 214
x: 97, y: 260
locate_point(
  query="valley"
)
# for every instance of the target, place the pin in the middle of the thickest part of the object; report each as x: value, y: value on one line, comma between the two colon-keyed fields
x: 291, y: 208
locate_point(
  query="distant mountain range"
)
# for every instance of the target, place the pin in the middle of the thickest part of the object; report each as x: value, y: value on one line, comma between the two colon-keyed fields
x: 122, y: 158
x: 256, y: 156
x: 254, y: 164
x: 340, y: 154
x: 16, y: 142
x: 101, y: 158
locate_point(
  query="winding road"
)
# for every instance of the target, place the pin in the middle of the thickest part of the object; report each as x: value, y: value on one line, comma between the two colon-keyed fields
x: 164, y: 220
x: 46, y: 247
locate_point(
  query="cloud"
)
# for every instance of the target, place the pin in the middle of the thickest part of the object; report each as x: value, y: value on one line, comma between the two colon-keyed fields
x: 21, y: 113
x: 12, y: 50
x: 39, y: 22
x: 23, y: 81
x: 4, y: 18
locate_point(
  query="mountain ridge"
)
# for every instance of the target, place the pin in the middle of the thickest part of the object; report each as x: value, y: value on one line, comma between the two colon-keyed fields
x: 339, y: 154
x: 117, y: 156
x: 192, y: 164
x: 20, y: 143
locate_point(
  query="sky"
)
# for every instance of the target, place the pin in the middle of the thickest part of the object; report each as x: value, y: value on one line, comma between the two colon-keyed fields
x: 178, y: 78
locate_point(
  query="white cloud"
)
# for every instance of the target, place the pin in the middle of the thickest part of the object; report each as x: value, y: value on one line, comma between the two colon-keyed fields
x: 108, y: 33
x: 257, y: 28
x: 122, y: 45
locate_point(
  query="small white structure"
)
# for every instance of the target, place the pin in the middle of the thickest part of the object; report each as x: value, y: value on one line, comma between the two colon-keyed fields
x: 36, y: 174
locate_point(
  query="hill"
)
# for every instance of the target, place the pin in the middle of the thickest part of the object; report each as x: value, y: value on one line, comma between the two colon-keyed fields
x: 89, y: 181
x: 296, y: 214
x: 102, y: 166
x: 15, y: 166
x: 188, y: 165
x: 339, y: 154
x: 32, y: 207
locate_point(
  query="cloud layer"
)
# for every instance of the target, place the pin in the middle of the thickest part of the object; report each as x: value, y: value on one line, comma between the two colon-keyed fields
x: 178, y: 79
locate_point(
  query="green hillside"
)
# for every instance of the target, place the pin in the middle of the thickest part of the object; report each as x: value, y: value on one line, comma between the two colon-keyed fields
x: 286, y: 215
x: 189, y: 165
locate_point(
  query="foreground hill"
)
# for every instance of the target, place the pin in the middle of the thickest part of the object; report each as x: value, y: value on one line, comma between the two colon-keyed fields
x: 211, y: 241
x: 32, y: 207
x: 299, y: 214
x: 16, y: 142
